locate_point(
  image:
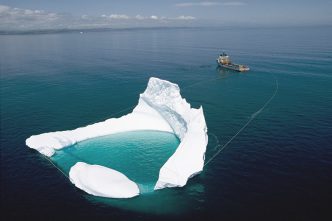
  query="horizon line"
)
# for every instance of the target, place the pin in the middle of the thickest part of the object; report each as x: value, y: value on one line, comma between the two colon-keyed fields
x: 71, y: 30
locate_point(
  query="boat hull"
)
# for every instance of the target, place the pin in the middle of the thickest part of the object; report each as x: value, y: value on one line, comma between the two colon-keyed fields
x: 234, y: 67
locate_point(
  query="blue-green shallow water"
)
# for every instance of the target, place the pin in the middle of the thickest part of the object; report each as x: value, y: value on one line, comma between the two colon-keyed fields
x: 139, y: 155
x: 279, y: 168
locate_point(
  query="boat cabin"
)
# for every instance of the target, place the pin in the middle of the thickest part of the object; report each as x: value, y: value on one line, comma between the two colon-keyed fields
x: 224, y: 59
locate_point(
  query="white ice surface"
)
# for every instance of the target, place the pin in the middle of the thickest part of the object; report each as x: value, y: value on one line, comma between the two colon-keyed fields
x: 102, y: 181
x: 143, y: 117
x: 159, y: 108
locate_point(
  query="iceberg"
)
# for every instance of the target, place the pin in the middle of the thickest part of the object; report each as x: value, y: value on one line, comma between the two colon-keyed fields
x: 160, y: 108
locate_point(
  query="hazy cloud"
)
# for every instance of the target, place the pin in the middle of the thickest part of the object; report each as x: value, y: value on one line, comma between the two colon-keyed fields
x: 116, y: 16
x: 154, y: 17
x: 207, y: 4
x: 183, y: 17
x: 27, y: 19
x: 191, y: 4
x: 139, y: 17
x: 4, y: 8
x: 234, y: 4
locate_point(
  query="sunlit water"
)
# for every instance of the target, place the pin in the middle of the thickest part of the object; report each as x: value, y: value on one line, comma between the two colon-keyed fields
x: 278, y: 168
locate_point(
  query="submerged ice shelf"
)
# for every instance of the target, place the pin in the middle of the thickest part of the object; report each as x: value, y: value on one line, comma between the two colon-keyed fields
x: 160, y: 108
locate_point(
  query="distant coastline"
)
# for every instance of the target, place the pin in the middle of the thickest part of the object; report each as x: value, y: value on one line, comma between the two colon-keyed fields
x: 51, y: 31
x: 74, y: 30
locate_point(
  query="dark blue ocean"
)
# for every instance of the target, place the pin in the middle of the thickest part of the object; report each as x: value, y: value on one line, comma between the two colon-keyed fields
x: 278, y: 168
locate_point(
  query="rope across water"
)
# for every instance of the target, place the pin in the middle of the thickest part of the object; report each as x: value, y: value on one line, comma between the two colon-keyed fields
x: 253, y: 116
x: 47, y: 158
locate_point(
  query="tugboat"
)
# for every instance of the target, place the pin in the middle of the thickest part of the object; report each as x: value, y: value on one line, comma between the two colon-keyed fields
x: 224, y: 61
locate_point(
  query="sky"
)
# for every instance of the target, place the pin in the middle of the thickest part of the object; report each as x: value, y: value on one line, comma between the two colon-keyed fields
x: 82, y: 14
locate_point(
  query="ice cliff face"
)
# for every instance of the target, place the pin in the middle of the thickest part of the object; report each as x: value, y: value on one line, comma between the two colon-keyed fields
x: 160, y: 108
x: 165, y: 98
x: 187, y: 123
